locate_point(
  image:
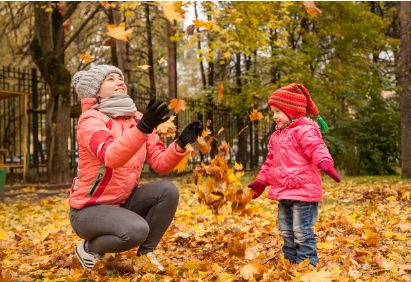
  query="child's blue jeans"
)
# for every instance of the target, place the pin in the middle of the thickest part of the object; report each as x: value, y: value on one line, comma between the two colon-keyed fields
x: 295, y: 219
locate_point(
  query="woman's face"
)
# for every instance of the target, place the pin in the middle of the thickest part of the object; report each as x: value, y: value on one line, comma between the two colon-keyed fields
x: 279, y: 117
x: 112, y: 84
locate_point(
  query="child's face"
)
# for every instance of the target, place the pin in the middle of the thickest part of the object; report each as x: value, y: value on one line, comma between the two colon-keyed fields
x: 112, y: 84
x: 279, y: 117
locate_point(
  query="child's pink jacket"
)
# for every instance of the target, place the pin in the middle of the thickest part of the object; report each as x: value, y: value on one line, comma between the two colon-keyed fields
x: 111, y: 156
x: 291, y: 167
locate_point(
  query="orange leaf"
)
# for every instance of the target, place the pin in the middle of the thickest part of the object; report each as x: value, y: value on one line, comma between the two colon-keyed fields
x: 242, y: 129
x: 119, y: 32
x: 221, y: 130
x: 220, y: 92
x: 204, y: 146
x: 224, y: 149
x: 177, y: 105
x: 86, y: 57
x: 206, y: 132
x: 109, y: 42
x: 105, y: 4
x: 311, y: 8
x: 183, y: 163
x: 207, y: 24
x: 66, y: 25
x: 256, y: 115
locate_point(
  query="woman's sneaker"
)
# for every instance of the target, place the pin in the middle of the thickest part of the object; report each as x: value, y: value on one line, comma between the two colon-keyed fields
x: 152, y: 257
x: 87, y: 259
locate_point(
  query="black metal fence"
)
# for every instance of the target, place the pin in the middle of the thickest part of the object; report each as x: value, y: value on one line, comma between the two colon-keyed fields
x: 29, y: 81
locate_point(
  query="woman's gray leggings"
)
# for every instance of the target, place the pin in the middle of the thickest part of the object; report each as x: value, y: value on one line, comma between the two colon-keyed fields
x: 141, y: 221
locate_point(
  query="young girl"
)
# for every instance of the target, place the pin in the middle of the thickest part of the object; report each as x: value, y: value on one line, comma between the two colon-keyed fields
x: 109, y: 210
x: 296, y: 152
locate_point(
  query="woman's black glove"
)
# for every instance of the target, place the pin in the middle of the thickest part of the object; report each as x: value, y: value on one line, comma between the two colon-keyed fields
x: 190, y: 133
x: 153, y: 116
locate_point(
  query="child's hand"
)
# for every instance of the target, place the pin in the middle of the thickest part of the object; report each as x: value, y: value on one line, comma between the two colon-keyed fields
x: 328, y: 168
x: 257, y: 187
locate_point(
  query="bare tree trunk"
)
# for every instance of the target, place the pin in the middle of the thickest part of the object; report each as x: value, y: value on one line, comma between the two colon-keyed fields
x: 405, y: 84
x: 122, y: 54
x: 172, y: 62
x: 43, y: 50
x: 150, y: 52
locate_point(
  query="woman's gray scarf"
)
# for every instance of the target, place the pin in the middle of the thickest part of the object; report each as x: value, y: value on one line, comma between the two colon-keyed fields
x: 116, y: 105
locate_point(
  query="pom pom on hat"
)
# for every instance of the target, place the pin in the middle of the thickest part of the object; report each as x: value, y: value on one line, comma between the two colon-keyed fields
x: 295, y: 101
x: 87, y: 83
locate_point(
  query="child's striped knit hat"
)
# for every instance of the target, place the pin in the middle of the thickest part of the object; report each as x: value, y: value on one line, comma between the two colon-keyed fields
x: 295, y: 101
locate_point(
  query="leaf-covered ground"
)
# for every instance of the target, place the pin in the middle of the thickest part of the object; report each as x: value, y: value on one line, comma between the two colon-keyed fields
x: 363, y: 234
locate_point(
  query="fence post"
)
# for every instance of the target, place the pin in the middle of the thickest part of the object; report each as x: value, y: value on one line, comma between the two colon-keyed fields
x: 35, y: 119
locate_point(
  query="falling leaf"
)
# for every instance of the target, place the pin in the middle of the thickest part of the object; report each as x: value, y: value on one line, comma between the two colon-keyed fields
x: 167, y: 128
x: 255, y: 115
x: 86, y: 57
x: 178, y: 105
x: 238, y: 166
x: 207, y: 24
x: 162, y: 60
x: 66, y: 25
x: 221, y: 130
x: 311, y: 8
x: 190, y: 29
x: 242, y: 129
x: 206, y: 132
x: 88, y: 9
x: 105, y: 4
x: 220, y: 92
x: 224, y: 149
x: 144, y: 67
x: 203, y: 146
x: 169, y: 10
x: 62, y: 8
x: 119, y: 32
x: 183, y: 163
x: 109, y: 42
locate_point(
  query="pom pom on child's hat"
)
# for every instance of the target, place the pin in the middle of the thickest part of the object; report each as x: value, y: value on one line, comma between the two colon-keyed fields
x: 295, y: 101
x: 87, y: 83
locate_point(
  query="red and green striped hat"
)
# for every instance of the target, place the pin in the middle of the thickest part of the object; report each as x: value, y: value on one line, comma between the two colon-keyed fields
x: 295, y: 101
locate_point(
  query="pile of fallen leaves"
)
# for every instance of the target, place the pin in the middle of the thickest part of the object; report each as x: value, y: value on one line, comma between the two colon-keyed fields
x: 363, y: 234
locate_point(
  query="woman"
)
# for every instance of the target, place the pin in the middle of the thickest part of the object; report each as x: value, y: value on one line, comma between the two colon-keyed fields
x: 108, y: 208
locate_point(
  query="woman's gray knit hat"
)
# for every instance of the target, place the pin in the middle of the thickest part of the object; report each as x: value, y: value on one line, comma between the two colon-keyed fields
x: 87, y: 83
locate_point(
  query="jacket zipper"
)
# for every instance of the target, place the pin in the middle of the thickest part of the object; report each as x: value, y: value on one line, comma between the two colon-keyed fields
x: 96, y: 184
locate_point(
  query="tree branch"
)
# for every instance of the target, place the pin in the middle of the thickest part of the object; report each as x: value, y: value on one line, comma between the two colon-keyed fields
x: 71, y: 39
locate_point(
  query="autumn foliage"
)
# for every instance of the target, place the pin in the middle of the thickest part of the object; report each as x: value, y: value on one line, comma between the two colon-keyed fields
x: 363, y: 234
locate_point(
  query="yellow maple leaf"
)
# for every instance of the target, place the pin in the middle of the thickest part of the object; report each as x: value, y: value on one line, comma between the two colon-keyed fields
x: 167, y: 128
x: 255, y: 115
x: 183, y: 163
x: 238, y: 166
x: 207, y: 24
x: 144, y: 67
x: 312, y: 10
x: 162, y: 60
x: 169, y: 10
x: 119, y: 32
x: 317, y: 276
x: 206, y: 132
x: 86, y: 57
x: 177, y: 104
